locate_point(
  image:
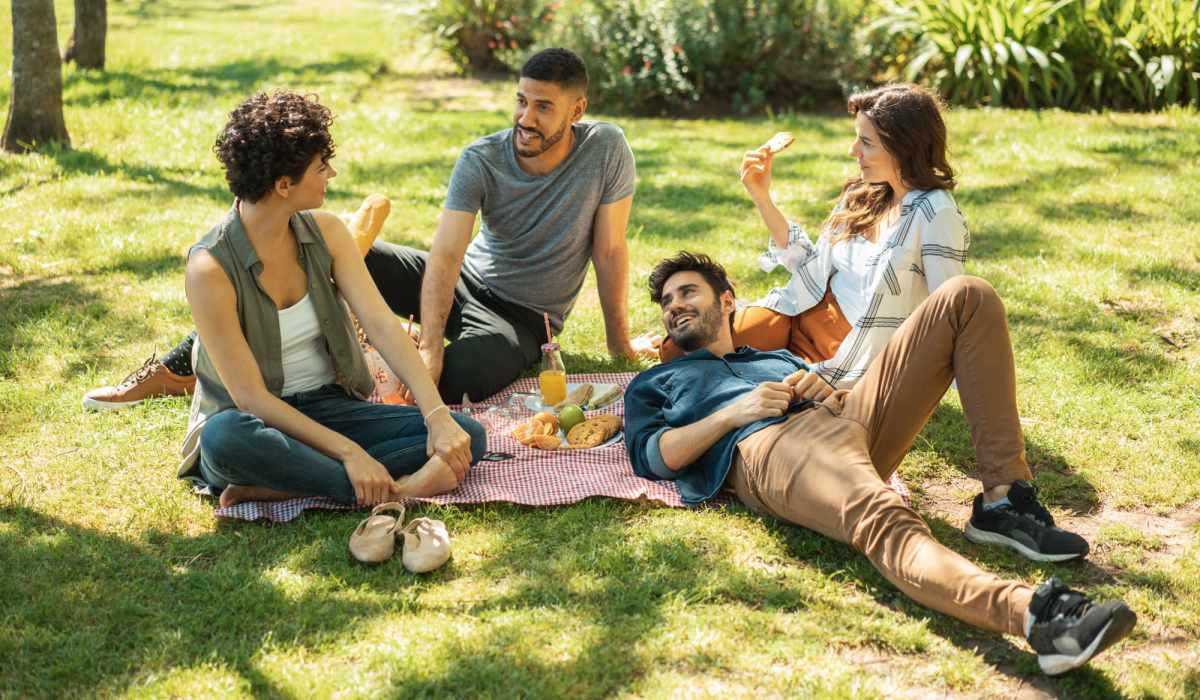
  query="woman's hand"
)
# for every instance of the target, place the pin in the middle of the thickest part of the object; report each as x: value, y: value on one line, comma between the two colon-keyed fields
x: 371, y: 481
x: 755, y: 173
x: 449, y: 441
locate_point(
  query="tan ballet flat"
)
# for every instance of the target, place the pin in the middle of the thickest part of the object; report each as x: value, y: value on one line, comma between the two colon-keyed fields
x: 426, y: 545
x: 367, y: 222
x: 374, y: 540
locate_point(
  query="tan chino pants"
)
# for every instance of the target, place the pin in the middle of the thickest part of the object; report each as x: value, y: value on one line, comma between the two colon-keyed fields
x: 825, y: 469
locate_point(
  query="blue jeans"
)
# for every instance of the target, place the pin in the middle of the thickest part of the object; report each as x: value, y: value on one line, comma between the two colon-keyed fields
x: 239, y: 448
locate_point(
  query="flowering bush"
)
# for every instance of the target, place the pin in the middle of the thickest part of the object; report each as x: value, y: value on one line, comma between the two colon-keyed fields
x: 476, y: 32
x: 684, y: 56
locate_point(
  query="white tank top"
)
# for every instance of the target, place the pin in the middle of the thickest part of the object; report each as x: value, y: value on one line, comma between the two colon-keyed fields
x: 851, y: 283
x: 306, y: 361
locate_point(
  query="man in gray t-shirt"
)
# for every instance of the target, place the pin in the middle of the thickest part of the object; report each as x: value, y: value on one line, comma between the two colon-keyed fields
x: 554, y: 192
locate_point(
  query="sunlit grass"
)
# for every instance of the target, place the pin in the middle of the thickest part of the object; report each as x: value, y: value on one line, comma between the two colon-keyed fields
x: 115, y: 580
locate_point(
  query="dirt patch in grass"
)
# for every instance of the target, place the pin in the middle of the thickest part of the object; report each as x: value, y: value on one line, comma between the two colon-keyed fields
x: 1160, y: 536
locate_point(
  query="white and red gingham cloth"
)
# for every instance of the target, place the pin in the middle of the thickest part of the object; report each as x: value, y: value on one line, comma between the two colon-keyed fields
x: 532, y: 478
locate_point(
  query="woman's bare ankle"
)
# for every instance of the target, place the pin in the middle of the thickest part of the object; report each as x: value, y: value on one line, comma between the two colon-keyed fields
x: 436, y: 477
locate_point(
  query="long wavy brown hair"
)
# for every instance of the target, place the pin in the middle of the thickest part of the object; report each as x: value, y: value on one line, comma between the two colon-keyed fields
x: 909, y: 121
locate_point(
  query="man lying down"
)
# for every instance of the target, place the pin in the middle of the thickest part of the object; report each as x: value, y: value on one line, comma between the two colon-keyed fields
x: 758, y: 424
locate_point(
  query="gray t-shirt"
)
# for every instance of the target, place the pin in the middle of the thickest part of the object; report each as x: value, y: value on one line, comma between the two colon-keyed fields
x: 535, y: 241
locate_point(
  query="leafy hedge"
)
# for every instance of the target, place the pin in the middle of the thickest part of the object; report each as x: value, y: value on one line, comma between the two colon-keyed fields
x: 677, y: 56
x: 1076, y: 54
x: 703, y: 56
x: 684, y: 56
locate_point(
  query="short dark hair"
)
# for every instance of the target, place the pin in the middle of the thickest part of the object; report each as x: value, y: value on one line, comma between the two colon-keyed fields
x: 269, y: 136
x: 683, y: 261
x: 559, y: 66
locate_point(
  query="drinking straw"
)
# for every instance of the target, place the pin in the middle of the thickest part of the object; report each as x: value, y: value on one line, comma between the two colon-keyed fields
x: 546, y: 319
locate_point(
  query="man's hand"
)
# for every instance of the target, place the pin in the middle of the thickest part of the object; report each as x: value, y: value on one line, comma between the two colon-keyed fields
x: 767, y: 400
x: 807, y: 385
x: 432, y: 357
x: 449, y: 441
x: 371, y: 481
x: 755, y: 173
x: 433, y: 363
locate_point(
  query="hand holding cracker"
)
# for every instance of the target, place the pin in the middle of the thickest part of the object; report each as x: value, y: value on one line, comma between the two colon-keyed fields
x: 755, y: 172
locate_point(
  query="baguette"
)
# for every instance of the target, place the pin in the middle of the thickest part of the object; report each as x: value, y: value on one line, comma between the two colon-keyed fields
x: 367, y: 222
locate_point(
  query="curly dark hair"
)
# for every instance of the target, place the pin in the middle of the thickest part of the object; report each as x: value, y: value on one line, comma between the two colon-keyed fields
x: 683, y: 261
x: 269, y: 136
x: 559, y: 66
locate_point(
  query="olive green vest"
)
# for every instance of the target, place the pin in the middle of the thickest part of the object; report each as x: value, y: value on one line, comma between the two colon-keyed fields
x: 228, y: 244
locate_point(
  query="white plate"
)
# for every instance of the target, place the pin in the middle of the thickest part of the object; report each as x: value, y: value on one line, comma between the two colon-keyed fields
x: 534, y: 403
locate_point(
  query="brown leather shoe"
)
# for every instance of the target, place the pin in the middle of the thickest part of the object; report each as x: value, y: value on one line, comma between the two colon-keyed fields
x: 150, y: 380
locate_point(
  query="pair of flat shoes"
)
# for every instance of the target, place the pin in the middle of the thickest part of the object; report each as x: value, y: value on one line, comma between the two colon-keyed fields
x: 426, y: 542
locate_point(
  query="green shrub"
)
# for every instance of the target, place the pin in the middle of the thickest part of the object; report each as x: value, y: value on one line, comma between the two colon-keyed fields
x: 983, y: 51
x: 1139, y: 54
x: 683, y: 56
x: 476, y: 32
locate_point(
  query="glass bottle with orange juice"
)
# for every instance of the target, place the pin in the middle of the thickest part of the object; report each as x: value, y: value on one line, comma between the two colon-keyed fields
x: 553, y: 378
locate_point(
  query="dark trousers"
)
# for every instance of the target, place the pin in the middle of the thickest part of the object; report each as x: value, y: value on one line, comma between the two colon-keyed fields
x: 237, y: 448
x: 492, y: 341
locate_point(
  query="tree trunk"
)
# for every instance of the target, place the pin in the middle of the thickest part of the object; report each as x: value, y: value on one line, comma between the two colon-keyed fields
x: 86, y: 45
x: 35, y: 109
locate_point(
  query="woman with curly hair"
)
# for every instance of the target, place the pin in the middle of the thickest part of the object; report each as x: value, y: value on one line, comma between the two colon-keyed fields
x: 894, y: 237
x: 279, y: 409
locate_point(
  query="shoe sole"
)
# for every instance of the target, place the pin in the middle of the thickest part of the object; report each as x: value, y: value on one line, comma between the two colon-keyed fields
x: 1117, y: 628
x: 985, y: 537
x: 94, y: 405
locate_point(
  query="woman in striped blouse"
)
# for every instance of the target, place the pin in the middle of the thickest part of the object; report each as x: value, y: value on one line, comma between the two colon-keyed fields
x: 894, y: 237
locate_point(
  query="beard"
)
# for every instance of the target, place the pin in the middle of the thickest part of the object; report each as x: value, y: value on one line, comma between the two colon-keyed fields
x: 543, y: 143
x: 703, y: 330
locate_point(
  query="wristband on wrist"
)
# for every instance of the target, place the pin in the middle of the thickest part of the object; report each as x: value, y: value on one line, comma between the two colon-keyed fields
x: 430, y: 414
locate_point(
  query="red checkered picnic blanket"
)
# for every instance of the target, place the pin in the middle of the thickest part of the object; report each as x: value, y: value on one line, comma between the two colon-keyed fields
x: 533, y: 477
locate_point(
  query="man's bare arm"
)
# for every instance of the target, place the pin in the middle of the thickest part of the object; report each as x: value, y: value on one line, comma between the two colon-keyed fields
x: 610, y: 255
x: 437, y: 288
x: 682, y: 446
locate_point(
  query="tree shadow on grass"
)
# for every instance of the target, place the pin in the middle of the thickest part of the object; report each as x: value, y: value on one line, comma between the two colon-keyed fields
x: 1111, y: 360
x: 1061, y: 485
x: 26, y: 305
x: 172, y: 602
x: 174, y: 181
x: 1186, y: 278
x: 90, y: 611
x: 165, y: 9
x: 1056, y: 180
x: 628, y: 588
x: 233, y: 79
x: 1091, y: 210
x: 997, y: 241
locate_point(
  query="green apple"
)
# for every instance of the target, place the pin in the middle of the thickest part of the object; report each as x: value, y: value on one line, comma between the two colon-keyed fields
x: 569, y: 417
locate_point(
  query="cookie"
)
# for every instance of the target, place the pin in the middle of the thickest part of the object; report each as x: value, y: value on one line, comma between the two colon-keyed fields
x: 593, y: 431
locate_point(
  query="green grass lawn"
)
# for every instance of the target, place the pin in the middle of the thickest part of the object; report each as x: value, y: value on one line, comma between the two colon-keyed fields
x: 116, y: 580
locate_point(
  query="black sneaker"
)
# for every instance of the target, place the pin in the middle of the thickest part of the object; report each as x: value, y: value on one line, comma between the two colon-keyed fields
x: 1067, y: 629
x: 1025, y: 526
